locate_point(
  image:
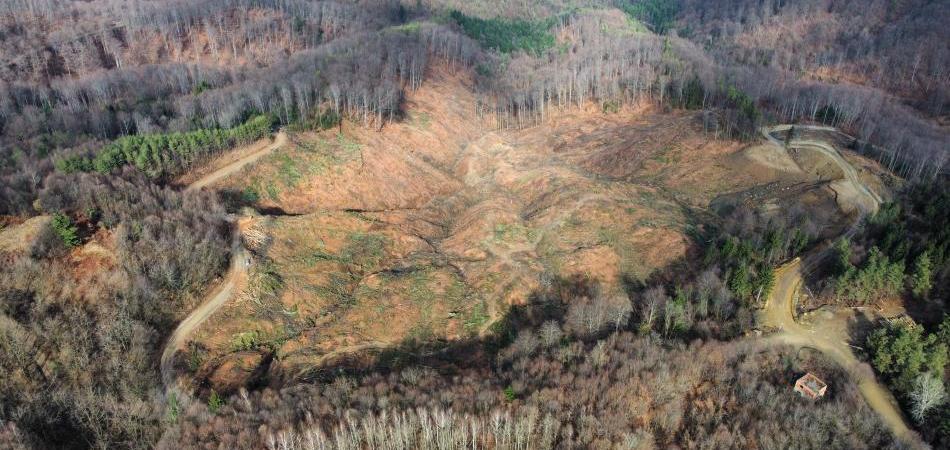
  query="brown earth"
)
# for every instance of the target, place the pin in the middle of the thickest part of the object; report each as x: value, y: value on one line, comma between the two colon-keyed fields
x: 432, y: 227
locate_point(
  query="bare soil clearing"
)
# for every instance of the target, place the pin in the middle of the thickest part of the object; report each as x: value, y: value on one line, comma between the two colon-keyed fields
x: 773, y: 157
x: 430, y: 229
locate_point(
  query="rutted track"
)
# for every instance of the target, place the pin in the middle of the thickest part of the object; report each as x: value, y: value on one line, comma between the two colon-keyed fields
x: 778, y: 312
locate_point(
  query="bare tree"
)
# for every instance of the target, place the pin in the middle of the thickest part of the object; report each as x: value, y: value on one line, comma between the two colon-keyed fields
x: 928, y: 392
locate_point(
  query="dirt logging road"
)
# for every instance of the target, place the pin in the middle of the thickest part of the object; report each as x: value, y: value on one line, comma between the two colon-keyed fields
x: 280, y: 139
x: 216, y: 298
x: 239, y: 264
x: 779, y: 309
x: 779, y: 314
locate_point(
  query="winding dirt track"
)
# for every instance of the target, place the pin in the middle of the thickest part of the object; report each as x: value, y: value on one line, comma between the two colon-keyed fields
x: 239, y: 264
x: 279, y: 140
x: 216, y: 298
x: 778, y: 312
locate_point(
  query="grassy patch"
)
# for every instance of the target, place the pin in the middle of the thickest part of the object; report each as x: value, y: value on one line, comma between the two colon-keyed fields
x: 323, y: 154
x: 338, y: 289
x: 288, y: 172
x: 408, y: 28
x: 265, y: 282
x: 256, y: 339
x: 364, y: 250
x: 250, y: 194
x: 245, y: 341
x: 665, y: 155
x: 421, y: 120
x: 273, y: 192
x: 509, y: 232
x: 476, y: 317
x: 292, y: 165
x: 419, y: 291
x: 549, y: 253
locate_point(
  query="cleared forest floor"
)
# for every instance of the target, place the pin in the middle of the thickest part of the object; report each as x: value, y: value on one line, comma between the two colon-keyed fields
x: 430, y: 229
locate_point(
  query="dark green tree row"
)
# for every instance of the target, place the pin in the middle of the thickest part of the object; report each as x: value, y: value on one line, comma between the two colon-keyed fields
x: 903, y: 351
x: 659, y: 14
x: 879, y: 277
x: 507, y: 36
x: 162, y: 154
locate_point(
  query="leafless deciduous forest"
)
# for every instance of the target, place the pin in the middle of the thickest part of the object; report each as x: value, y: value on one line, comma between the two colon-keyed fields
x: 80, y: 335
x: 622, y: 391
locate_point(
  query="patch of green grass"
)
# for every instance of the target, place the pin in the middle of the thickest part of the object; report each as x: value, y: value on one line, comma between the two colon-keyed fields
x: 549, y: 253
x: 322, y: 154
x: 247, y: 340
x: 364, y: 250
x: 250, y: 194
x: 350, y: 147
x: 255, y: 339
x: 265, y: 281
x: 196, y: 356
x: 456, y: 293
x: 573, y: 222
x: 288, y: 172
x: 634, y: 26
x: 318, y: 256
x: 664, y: 155
x: 422, y: 120
x: 339, y: 289
x: 273, y: 192
x: 421, y: 332
x: 476, y: 317
x: 508, y: 232
x: 609, y: 237
x: 419, y: 291
x: 411, y: 27
x: 372, y: 295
